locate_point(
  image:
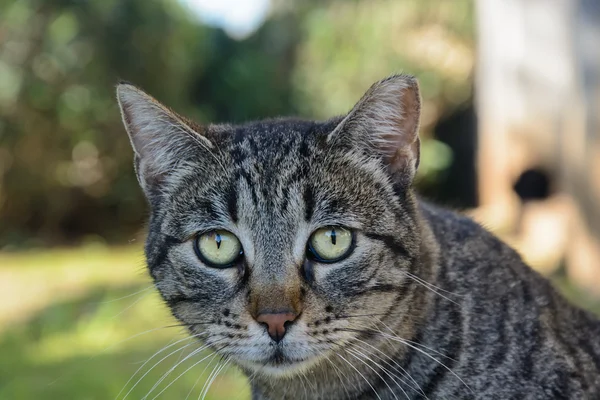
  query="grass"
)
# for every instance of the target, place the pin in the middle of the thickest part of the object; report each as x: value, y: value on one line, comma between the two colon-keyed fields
x: 79, y: 323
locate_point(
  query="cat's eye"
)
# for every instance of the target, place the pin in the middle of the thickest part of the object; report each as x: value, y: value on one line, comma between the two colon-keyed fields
x: 330, y: 244
x: 218, y: 248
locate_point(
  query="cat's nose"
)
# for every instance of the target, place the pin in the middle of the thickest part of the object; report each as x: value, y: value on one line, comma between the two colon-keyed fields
x: 276, y: 323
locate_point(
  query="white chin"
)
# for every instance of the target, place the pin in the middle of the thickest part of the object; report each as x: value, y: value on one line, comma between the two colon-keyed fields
x: 279, y: 369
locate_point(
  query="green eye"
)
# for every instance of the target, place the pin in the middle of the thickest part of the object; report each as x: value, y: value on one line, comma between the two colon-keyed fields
x: 218, y: 248
x: 330, y: 244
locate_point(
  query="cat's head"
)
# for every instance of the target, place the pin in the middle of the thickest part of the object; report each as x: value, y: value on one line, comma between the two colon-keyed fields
x: 277, y: 242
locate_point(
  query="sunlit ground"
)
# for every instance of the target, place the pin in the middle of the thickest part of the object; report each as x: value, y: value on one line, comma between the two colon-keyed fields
x: 81, y: 323
x: 78, y: 324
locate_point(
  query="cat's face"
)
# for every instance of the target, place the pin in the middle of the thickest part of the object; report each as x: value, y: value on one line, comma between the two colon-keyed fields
x: 276, y: 242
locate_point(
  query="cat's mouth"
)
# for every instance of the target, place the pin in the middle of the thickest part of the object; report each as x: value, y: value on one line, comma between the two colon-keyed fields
x: 279, y: 359
x: 278, y: 363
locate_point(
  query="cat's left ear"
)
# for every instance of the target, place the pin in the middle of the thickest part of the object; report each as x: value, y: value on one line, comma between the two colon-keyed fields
x: 385, y: 123
x: 164, y: 143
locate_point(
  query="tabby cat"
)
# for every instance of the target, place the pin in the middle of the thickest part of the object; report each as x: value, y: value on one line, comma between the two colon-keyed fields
x: 298, y: 251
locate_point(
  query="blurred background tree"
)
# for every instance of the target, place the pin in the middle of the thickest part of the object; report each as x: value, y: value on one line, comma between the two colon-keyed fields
x: 65, y: 163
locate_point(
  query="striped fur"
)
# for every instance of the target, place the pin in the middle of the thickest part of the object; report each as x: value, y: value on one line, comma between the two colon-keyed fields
x: 428, y: 305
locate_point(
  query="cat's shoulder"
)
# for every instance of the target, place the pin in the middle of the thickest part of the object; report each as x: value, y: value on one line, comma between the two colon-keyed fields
x: 454, y: 226
x: 471, y: 253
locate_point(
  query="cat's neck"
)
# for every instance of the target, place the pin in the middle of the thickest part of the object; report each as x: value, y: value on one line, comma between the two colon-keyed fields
x: 350, y: 372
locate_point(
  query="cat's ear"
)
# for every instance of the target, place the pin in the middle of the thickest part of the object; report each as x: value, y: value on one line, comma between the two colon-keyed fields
x: 164, y: 142
x: 386, y: 122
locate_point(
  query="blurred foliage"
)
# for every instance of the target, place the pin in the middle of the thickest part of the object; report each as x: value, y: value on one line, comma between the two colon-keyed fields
x: 65, y: 161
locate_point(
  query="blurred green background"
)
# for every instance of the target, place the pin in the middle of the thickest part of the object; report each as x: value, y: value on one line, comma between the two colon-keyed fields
x: 78, y: 316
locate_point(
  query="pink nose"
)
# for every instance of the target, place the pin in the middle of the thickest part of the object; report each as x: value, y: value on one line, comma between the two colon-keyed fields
x: 276, y: 323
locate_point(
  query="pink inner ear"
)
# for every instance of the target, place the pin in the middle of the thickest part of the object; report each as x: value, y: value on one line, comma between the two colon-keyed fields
x: 407, y: 151
x: 411, y: 113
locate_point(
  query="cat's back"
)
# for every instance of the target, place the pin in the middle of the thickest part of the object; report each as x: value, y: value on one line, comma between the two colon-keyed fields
x: 518, y: 337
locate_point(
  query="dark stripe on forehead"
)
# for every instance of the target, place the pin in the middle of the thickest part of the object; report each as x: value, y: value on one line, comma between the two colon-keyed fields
x: 334, y: 206
x: 286, y: 198
x: 242, y: 173
x: 206, y: 207
x: 309, y: 202
x: 231, y: 198
x: 291, y: 180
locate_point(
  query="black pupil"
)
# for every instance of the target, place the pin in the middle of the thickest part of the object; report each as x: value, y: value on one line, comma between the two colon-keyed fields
x: 333, y: 237
x: 218, y: 240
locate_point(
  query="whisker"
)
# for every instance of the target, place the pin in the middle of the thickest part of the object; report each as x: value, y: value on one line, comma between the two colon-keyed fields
x: 308, y: 381
x: 166, y: 374
x: 366, y: 380
x: 126, y: 296
x: 101, y: 352
x: 137, y: 335
x: 391, y: 374
x: 429, y: 286
x: 416, y: 387
x: 213, y: 355
x: 214, y: 377
x: 304, y: 379
x: 360, y: 315
x: 377, y: 373
x: 208, y: 378
x: 338, y: 372
x: 419, y: 350
x: 194, y: 386
x: 131, y: 305
x: 151, y: 357
x: 392, y: 336
x: 154, y: 366
x: 414, y: 343
x: 201, y: 375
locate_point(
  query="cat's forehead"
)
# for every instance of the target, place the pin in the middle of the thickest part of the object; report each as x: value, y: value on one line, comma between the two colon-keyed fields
x: 282, y: 127
x: 278, y: 174
x: 266, y: 138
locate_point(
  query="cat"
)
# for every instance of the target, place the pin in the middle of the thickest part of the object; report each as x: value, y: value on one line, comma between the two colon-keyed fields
x: 298, y: 251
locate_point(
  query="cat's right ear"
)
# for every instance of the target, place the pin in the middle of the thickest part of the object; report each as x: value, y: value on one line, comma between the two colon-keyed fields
x: 163, y: 142
x: 385, y: 125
